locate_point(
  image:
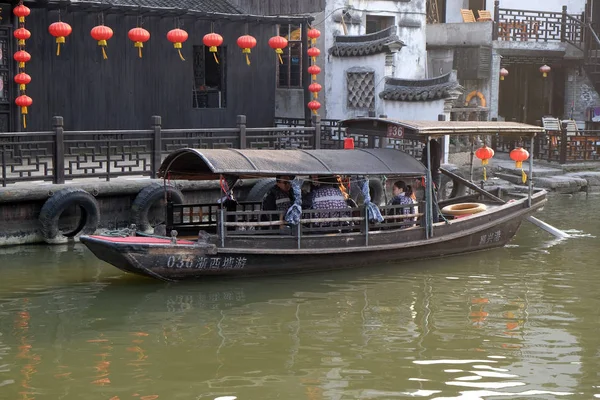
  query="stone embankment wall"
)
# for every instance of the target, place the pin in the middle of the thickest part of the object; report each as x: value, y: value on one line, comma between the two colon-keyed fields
x: 20, y: 204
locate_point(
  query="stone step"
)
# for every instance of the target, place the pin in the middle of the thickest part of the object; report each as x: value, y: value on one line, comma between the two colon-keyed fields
x: 509, y: 178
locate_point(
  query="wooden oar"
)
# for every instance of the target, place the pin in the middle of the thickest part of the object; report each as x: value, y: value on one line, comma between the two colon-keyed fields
x: 539, y: 223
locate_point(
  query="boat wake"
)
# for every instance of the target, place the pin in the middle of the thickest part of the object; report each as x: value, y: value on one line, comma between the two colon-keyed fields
x: 572, y: 234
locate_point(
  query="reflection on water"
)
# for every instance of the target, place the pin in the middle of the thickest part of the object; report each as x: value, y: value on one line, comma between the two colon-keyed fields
x: 514, y: 322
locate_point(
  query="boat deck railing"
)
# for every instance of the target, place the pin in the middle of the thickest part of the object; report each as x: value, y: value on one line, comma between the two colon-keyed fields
x: 249, y: 220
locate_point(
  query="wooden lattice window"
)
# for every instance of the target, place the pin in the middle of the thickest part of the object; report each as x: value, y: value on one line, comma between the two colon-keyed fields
x: 361, y: 89
x: 289, y: 74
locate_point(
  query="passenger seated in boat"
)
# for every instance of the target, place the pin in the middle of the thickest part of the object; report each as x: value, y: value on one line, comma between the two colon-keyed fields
x: 279, y: 198
x: 403, y: 195
x: 326, y: 195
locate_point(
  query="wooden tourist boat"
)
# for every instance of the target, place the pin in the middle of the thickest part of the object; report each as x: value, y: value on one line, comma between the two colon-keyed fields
x: 230, y: 238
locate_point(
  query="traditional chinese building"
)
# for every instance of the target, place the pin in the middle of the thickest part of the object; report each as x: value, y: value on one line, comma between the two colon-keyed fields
x: 518, y: 60
x: 201, y: 88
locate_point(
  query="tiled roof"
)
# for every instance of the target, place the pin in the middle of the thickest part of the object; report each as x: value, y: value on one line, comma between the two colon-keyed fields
x: 420, y: 89
x: 206, y: 6
x: 363, y: 45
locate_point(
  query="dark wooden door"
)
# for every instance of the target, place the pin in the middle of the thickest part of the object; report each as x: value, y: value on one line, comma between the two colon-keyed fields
x: 6, y: 80
x: 476, y: 5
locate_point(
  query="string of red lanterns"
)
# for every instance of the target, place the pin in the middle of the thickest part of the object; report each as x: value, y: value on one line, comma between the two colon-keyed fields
x: 313, y: 52
x: 22, y: 57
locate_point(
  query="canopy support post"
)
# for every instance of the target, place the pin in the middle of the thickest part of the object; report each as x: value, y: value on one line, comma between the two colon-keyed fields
x: 429, y: 195
x: 530, y: 172
x: 472, y: 140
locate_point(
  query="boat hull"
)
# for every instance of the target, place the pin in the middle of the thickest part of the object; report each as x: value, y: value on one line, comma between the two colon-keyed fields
x: 161, y: 259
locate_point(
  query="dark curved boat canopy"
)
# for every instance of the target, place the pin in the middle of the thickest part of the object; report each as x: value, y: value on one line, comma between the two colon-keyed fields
x: 415, y: 130
x: 207, y: 164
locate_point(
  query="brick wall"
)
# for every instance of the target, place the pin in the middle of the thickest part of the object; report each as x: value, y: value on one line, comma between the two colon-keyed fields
x: 579, y: 95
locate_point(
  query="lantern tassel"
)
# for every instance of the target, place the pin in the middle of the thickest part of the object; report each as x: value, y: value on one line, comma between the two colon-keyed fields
x: 315, y: 112
x: 180, y: 55
x: 140, y: 51
x: 247, y: 59
x: 58, y: 49
x: 316, y: 95
x: 280, y: 59
x: 523, y: 176
x: 484, y: 174
x: 104, y: 56
x: 216, y: 59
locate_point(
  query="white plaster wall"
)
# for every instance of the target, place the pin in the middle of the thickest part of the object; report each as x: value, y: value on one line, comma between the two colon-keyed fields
x: 336, y: 88
x: 414, y: 110
x: 410, y: 61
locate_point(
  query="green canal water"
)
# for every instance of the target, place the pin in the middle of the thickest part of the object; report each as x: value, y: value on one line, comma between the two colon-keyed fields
x: 518, y: 322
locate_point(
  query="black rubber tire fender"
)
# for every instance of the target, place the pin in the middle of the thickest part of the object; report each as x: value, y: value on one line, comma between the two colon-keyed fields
x: 260, y: 189
x: 458, y: 189
x: 376, y: 191
x: 146, y: 198
x: 54, y: 207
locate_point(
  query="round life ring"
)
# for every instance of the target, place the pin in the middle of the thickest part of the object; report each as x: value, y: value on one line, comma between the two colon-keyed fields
x: 477, y: 94
x: 146, y: 198
x: 58, y: 203
x: 464, y: 209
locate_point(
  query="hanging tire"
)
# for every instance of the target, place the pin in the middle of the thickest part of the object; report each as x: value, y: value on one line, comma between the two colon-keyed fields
x: 260, y: 189
x: 376, y: 191
x: 449, y: 188
x: 148, y: 197
x: 56, y: 206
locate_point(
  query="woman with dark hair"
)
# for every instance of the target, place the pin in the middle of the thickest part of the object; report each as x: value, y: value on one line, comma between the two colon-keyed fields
x: 403, y: 195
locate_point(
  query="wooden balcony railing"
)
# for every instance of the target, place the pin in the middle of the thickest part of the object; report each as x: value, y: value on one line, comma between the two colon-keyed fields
x: 538, y: 26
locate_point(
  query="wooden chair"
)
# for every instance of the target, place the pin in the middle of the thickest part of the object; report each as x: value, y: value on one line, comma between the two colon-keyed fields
x: 485, y: 15
x: 504, y: 30
x: 467, y: 15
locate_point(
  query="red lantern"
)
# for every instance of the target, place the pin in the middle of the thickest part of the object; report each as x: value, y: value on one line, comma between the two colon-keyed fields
x: 315, y: 88
x: 24, y: 101
x: 21, y: 11
x: 60, y: 30
x: 246, y: 43
x: 22, y: 35
x: 213, y: 41
x: 139, y: 36
x: 22, y: 79
x: 484, y: 154
x: 101, y: 34
x: 278, y: 43
x: 519, y: 155
x: 22, y: 57
x: 177, y: 37
x: 313, y: 52
x: 503, y: 73
x: 545, y: 70
x: 314, y: 70
x: 313, y: 34
x: 314, y: 106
